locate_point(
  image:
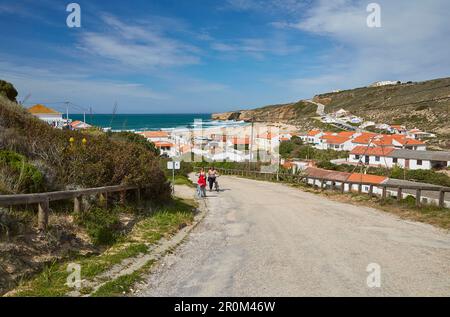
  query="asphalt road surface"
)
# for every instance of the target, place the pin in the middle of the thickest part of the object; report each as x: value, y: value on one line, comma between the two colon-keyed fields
x: 265, y: 239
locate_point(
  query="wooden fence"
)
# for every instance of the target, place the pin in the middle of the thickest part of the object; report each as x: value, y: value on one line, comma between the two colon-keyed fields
x: 334, y: 184
x: 43, y: 199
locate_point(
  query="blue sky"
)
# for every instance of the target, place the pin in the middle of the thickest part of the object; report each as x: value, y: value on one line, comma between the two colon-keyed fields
x: 179, y: 56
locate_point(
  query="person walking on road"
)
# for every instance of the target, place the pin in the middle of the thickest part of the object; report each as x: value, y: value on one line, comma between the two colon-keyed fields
x: 212, y: 175
x: 201, y: 182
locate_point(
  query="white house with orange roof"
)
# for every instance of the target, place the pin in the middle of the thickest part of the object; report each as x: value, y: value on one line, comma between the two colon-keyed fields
x: 79, y: 125
x: 156, y: 136
x: 389, y: 157
x: 419, y: 134
x: 312, y: 137
x: 51, y: 116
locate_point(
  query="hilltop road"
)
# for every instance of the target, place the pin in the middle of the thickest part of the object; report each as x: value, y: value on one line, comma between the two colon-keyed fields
x: 265, y: 239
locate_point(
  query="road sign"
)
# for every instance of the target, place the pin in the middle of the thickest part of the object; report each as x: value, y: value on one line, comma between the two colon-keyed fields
x: 173, y: 165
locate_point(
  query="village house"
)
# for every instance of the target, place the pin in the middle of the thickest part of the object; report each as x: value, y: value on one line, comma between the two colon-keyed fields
x: 166, y: 148
x: 312, y: 137
x: 342, y: 177
x: 156, y: 136
x: 336, y: 141
x: 389, y: 157
x: 79, y: 125
x: 50, y: 116
x: 419, y: 135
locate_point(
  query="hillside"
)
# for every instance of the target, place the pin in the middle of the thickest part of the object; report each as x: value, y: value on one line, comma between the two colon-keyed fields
x: 425, y: 105
x: 35, y: 157
x: 291, y: 113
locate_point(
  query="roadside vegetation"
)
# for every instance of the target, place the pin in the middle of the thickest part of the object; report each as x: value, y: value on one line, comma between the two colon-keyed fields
x: 151, y: 224
x: 405, y: 209
x: 73, y: 159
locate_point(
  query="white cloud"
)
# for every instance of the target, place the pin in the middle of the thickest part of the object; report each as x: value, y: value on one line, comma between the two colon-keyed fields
x: 268, y: 6
x: 412, y: 43
x: 257, y: 47
x: 138, y: 46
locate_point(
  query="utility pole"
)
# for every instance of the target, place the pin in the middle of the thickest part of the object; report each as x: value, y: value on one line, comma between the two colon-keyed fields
x: 251, y: 145
x: 67, y: 113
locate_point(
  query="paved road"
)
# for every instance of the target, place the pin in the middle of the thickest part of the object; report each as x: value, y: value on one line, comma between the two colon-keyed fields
x: 263, y: 239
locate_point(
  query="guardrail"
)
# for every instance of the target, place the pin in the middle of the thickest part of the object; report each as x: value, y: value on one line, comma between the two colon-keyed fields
x: 333, y: 184
x: 43, y: 199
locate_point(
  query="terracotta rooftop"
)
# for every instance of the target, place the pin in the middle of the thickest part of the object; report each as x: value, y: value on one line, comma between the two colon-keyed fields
x: 327, y: 174
x: 313, y: 132
x: 367, y: 178
x: 377, y: 151
x: 364, y: 138
x: 155, y: 134
x: 163, y: 144
x: 41, y: 109
x: 334, y: 139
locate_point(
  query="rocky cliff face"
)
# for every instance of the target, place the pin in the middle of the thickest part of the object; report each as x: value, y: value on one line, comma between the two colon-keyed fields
x: 425, y: 105
x: 285, y: 113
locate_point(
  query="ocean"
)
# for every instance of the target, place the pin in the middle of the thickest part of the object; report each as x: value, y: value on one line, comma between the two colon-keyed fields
x: 142, y: 122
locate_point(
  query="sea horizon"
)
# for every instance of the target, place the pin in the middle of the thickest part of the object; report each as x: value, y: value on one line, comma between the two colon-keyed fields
x: 150, y: 121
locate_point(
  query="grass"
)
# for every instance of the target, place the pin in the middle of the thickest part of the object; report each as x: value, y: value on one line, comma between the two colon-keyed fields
x: 405, y: 209
x: 123, y: 284
x: 183, y: 180
x: 163, y: 221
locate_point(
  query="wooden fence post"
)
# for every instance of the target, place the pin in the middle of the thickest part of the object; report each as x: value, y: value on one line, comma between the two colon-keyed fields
x: 418, y: 197
x: 371, y: 191
x: 399, y: 194
x: 359, y: 188
x: 43, y: 210
x: 343, y: 187
x: 384, y: 194
x: 77, y: 205
x: 123, y: 195
x: 441, y: 199
x: 138, y: 195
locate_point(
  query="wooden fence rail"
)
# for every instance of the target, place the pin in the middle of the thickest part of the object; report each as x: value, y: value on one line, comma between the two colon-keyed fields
x: 332, y: 183
x: 43, y: 199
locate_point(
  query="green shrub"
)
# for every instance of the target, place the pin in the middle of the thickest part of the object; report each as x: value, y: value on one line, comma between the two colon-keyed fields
x: 104, y: 160
x: 7, y: 89
x: 17, y: 175
x: 103, y: 226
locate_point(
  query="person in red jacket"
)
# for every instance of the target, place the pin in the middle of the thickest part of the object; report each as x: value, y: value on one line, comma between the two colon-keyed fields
x: 201, y: 183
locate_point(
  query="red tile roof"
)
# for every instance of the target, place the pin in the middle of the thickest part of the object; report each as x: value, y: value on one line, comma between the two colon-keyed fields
x: 164, y: 144
x: 313, y: 132
x: 346, y: 134
x: 364, y: 138
x: 367, y: 178
x: 155, y: 134
x: 376, y: 151
x: 41, y: 109
x: 334, y: 139
x: 327, y: 174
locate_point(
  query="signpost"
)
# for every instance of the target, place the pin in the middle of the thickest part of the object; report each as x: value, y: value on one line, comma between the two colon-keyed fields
x: 173, y: 165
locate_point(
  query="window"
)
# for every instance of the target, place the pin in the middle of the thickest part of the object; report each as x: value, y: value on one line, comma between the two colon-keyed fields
x: 395, y: 160
x: 356, y: 157
x: 377, y: 158
x: 419, y: 162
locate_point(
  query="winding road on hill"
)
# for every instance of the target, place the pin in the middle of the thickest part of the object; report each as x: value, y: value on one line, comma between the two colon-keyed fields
x: 266, y: 239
